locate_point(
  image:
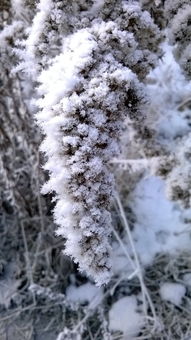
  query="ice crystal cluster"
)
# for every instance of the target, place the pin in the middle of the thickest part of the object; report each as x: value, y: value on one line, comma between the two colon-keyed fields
x: 88, y: 59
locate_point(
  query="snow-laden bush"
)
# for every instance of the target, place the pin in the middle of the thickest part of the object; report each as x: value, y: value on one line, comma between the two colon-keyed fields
x: 87, y: 90
x: 180, y: 36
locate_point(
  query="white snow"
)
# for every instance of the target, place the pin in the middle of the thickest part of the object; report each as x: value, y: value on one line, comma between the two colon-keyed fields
x: 187, y: 279
x: 85, y: 293
x: 172, y: 292
x: 59, y: 79
x: 44, y: 9
x: 127, y: 317
x: 168, y: 90
x: 160, y: 223
x: 160, y: 226
x: 120, y: 263
x: 97, y: 4
x: 8, y: 32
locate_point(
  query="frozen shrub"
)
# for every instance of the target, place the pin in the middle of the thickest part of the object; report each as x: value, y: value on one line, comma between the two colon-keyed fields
x: 180, y: 35
x: 87, y: 129
x: 87, y: 90
x: 173, y: 6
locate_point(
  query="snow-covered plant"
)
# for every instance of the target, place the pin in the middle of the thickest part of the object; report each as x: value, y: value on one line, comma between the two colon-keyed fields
x: 179, y: 179
x: 108, y: 128
x: 19, y: 138
x: 175, y: 15
x: 33, y: 57
x: 88, y: 60
x: 173, y: 6
x: 156, y: 9
x: 171, y: 120
x: 180, y: 33
x: 82, y: 125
